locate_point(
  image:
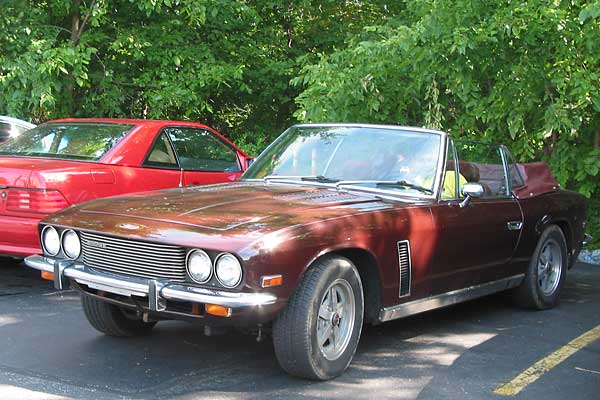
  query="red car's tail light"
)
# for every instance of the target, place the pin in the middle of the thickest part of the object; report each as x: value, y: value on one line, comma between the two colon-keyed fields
x: 35, y: 201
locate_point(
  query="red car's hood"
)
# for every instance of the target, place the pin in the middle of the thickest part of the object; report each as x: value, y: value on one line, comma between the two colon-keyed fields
x: 17, y: 171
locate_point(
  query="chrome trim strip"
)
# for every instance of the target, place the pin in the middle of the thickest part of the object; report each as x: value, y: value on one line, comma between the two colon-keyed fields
x: 506, y: 170
x: 448, y: 299
x: 440, y: 167
x: 586, y: 240
x: 154, y: 290
x: 132, y: 243
x: 514, y: 225
x: 400, y: 295
x: 376, y: 126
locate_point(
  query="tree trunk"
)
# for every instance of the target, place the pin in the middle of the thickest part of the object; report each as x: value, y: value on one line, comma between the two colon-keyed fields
x: 597, y: 141
x: 75, y: 21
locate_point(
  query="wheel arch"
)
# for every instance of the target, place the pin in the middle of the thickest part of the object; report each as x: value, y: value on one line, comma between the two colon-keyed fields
x: 370, y: 275
x: 565, y: 227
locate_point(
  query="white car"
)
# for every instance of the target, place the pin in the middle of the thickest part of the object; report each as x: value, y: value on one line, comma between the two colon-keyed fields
x: 11, y: 127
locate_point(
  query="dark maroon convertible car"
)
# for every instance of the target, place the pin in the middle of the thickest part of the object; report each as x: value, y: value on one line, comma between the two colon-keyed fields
x: 333, y: 226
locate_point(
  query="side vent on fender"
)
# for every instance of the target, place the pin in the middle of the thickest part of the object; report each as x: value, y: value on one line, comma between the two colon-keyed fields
x: 405, y: 267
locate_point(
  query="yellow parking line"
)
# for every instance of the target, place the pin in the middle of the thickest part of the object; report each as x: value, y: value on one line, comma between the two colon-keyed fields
x: 544, y: 365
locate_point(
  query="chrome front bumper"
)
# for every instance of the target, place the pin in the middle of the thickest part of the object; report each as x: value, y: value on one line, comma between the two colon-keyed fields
x: 157, y: 291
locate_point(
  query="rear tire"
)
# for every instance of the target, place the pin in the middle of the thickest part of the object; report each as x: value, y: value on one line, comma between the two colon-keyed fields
x: 546, y: 273
x: 317, y: 334
x: 112, y: 320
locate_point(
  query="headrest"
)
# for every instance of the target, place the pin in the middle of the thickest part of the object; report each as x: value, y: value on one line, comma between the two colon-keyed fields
x: 468, y: 170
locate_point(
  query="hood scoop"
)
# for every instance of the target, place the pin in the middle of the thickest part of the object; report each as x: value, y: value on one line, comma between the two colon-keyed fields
x: 319, y: 197
x: 218, y: 187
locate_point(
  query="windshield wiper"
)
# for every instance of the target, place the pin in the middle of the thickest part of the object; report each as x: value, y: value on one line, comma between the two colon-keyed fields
x: 309, y: 178
x: 406, y: 184
x: 402, y: 183
x: 320, y: 179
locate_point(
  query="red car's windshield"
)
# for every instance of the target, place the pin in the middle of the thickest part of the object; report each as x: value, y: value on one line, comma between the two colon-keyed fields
x: 70, y: 141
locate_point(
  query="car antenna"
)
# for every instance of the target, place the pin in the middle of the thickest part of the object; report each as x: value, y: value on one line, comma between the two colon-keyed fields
x: 181, y: 177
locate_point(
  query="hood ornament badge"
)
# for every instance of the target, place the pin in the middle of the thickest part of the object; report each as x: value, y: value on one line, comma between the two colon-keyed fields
x: 129, y: 227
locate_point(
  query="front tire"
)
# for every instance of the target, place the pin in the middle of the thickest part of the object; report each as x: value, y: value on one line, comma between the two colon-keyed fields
x: 112, y: 320
x: 546, y: 273
x: 317, y: 334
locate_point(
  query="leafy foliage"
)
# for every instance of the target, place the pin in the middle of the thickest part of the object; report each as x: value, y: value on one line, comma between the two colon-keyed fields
x: 224, y: 62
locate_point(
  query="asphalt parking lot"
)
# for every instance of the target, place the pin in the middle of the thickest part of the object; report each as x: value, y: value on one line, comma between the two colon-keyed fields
x: 48, y: 351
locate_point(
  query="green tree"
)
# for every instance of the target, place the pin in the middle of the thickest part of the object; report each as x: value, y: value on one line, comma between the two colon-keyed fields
x: 224, y: 62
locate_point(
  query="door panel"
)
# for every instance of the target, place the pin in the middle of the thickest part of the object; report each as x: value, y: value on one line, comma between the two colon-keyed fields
x: 194, y: 178
x: 475, y: 242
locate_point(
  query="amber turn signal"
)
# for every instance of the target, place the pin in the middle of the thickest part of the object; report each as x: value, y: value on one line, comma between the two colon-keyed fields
x: 219, y: 311
x: 49, y: 276
x: 271, y: 280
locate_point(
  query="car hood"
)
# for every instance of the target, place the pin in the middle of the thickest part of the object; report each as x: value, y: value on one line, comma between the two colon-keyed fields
x: 240, y: 211
x: 223, y: 207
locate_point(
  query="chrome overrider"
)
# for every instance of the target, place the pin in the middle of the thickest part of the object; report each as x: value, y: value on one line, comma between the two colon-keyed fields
x: 157, y: 291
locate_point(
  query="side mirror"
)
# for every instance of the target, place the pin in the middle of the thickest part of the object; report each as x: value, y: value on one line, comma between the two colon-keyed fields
x: 471, y: 190
x: 249, y: 162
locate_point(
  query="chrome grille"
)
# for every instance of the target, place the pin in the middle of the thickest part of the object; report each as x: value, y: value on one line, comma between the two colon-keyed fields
x: 405, y: 268
x: 131, y: 257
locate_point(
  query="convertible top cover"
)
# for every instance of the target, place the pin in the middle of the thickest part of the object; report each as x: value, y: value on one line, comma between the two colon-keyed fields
x: 538, y: 180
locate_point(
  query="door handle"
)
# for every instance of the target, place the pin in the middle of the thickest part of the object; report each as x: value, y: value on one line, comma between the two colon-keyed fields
x: 514, y: 225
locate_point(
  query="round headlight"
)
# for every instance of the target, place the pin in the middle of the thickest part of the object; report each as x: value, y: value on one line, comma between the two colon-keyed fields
x: 71, y: 244
x: 229, y: 270
x: 199, y: 266
x: 50, y: 240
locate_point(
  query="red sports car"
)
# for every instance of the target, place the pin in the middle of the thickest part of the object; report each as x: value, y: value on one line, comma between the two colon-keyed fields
x: 69, y: 161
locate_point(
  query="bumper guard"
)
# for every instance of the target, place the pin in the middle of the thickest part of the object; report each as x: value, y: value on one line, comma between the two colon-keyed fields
x: 157, y: 291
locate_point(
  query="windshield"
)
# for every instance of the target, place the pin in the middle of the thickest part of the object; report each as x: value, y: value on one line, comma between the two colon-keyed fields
x: 366, y: 156
x: 71, y: 141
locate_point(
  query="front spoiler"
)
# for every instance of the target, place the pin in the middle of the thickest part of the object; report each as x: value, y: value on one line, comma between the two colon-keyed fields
x: 157, y: 291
